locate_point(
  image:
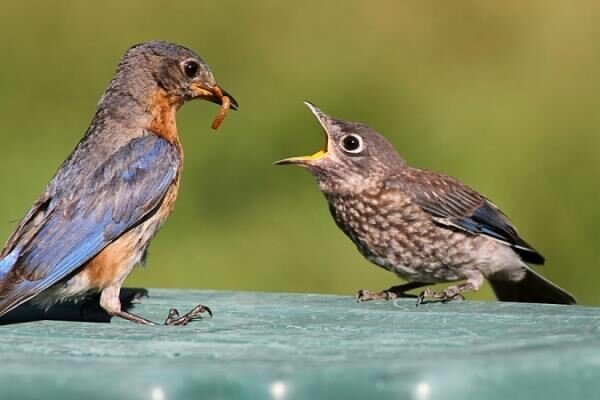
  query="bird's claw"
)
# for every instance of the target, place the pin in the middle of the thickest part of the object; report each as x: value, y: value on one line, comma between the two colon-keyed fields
x: 366, y: 295
x: 445, y: 296
x: 173, y: 318
x: 363, y: 295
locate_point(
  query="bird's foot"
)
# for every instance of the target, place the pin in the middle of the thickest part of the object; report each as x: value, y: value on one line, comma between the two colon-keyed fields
x: 366, y: 295
x: 446, y: 295
x: 389, y: 294
x: 173, y: 318
x: 133, y: 318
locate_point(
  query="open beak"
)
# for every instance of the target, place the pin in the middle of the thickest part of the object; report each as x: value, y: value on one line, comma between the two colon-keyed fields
x: 322, y: 153
x: 214, y: 94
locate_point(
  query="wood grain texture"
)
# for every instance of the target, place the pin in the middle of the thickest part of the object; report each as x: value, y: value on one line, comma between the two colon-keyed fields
x: 292, y: 346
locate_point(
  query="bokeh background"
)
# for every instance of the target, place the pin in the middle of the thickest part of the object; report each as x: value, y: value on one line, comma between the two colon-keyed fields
x: 502, y: 94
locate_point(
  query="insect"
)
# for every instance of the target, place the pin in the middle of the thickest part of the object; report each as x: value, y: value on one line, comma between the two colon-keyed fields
x: 225, y: 105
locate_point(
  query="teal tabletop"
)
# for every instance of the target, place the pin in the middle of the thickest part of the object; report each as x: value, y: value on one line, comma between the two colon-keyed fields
x: 301, y: 346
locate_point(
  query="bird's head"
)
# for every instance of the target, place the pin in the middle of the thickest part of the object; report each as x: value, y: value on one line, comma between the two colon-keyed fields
x: 163, y: 75
x: 353, y: 156
x: 177, y: 70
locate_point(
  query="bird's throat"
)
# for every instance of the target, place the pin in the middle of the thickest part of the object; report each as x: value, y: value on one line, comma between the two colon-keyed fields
x: 162, y: 109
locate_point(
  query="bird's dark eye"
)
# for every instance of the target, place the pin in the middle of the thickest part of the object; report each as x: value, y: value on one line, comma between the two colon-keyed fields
x: 352, y: 144
x: 191, y: 68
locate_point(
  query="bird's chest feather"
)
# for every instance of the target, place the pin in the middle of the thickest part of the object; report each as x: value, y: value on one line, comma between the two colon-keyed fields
x: 392, y: 232
x: 372, y: 224
x: 117, y: 260
x: 162, y: 116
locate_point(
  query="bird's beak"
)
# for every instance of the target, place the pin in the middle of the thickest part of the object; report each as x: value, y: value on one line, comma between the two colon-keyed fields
x: 307, y: 160
x: 213, y: 93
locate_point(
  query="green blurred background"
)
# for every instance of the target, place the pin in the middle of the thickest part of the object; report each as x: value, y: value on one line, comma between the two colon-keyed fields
x: 502, y: 94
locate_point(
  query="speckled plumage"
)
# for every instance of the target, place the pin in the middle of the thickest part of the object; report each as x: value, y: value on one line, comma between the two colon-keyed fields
x: 95, y: 219
x: 423, y: 226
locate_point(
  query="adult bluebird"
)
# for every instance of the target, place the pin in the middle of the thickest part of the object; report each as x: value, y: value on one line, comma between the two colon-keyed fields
x: 95, y: 219
x: 425, y: 227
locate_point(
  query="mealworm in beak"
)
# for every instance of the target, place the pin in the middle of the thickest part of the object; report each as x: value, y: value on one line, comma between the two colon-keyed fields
x: 225, y: 105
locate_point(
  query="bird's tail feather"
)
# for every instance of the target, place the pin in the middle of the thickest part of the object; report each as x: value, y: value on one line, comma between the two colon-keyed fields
x: 533, y: 288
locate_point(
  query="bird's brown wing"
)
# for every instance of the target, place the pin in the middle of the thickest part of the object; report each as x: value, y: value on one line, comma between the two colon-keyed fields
x: 30, y: 223
x: 455, y: 205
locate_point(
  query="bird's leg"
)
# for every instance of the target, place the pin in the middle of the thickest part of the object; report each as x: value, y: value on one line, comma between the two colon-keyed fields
x: 90, y: 309
x: 452, y: 292
x: 133, y: 318
x: 173, y: 317
x: 389, y: 294
x: 109, y: 301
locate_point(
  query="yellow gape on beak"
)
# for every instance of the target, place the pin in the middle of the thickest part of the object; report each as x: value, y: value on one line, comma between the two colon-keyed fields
x: 307, y: 160
x: 303, y: 159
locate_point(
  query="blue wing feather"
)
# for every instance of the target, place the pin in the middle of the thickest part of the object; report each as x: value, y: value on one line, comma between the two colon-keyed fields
x: 120, y: 194
x: 9, y: 261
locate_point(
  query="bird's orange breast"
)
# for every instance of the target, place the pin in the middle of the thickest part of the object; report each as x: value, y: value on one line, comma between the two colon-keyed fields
x: 117, y: 259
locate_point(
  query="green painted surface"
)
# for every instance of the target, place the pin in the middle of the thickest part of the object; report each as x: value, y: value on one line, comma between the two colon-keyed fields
x: 291, y: 346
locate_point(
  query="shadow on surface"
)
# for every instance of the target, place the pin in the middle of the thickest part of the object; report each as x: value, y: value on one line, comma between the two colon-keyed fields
x: 88, y: 310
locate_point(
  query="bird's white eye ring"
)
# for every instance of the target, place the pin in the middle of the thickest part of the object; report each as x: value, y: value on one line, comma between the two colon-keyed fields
x: 352, y: 144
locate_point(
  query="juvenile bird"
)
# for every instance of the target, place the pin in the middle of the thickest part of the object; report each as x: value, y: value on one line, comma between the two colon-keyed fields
x: 425, y: 227
x: 95, y: 219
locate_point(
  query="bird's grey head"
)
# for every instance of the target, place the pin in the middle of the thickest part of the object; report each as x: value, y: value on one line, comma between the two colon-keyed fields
x: 174, y: 70
x: 354, y: 156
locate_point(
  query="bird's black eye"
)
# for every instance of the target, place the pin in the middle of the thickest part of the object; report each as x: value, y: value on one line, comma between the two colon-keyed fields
x: 352, y: 144
x: 191, y: 68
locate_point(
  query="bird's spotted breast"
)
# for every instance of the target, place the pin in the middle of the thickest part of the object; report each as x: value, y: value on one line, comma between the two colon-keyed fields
x: 394, y: 233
